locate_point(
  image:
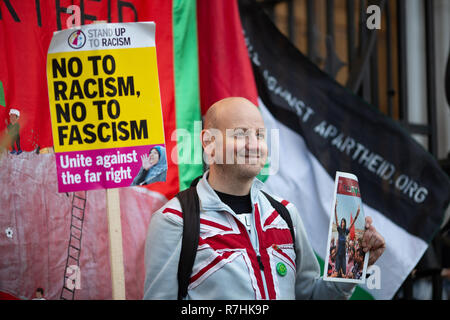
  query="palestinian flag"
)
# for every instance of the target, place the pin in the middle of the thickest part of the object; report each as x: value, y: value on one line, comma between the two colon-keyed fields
x: 324, y: 128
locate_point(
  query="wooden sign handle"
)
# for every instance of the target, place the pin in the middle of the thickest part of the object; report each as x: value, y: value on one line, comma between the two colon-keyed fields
x: 115, y: 244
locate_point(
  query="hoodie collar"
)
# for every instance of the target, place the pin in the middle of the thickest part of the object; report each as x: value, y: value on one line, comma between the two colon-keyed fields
x: 209, y: 200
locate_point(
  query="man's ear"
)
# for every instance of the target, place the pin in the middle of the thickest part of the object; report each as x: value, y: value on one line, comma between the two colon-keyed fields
x: 212, y: 143
x: 206, y: 138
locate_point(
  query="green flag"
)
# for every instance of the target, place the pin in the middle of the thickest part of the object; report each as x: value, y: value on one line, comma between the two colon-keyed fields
x: 2, y: 95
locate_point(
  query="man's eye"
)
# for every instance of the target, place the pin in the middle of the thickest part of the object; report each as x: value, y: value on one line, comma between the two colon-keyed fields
x: 261, y: 134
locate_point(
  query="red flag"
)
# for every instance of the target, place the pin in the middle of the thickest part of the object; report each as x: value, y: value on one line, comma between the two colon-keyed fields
x: 352, y: 229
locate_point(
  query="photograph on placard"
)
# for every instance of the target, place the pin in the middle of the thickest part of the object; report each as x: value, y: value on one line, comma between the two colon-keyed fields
x: 345, y: 260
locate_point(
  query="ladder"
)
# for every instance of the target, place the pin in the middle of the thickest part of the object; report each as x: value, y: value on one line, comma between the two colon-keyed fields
x: 74, y: 248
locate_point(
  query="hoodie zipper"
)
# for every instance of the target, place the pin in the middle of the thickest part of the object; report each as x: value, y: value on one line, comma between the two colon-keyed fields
x: 261, y: 266
x: 258, y: 255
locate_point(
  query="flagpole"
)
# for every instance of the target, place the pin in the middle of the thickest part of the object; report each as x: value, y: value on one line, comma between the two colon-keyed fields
x: 115, y: 244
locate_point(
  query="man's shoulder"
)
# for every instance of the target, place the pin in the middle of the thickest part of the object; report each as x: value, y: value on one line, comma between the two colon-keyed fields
x: 289, y: 205
x: 276, y: 197
x: 171, y: 205
x: 171, y: 210
x: 291, y: 208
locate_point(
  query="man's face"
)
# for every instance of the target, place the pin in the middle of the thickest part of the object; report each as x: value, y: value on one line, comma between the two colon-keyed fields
x: 245, y: 149
x: 242, y: 148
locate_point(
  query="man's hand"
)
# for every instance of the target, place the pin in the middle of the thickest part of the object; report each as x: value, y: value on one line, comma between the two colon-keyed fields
x: 373, y: 242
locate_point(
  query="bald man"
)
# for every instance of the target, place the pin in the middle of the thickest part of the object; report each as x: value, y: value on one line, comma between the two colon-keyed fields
x: 245, y: 249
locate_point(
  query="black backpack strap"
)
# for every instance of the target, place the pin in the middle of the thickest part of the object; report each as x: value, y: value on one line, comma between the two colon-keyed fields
x: 190, y: 207
x: 284, y: 213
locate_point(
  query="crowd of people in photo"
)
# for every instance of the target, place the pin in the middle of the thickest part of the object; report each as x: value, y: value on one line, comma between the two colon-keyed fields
x: 354, y: 256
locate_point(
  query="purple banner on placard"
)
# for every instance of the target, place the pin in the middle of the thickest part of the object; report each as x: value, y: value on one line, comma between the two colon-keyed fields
x: 110, y: 168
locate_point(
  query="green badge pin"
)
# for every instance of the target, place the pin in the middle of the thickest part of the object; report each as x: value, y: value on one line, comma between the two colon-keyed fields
x: 281, y: 269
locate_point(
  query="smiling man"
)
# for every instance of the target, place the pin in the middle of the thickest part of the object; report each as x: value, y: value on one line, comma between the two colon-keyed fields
x: 247, y: 248
x: 235, y: 145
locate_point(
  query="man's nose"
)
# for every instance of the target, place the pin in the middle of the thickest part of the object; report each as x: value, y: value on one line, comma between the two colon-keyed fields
x: 252, y: 142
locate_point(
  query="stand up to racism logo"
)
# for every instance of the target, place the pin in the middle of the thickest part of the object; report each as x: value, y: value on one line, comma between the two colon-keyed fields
x: 77, y: 39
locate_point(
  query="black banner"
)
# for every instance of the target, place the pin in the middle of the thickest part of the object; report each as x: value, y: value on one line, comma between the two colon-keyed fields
x: 397, y: 176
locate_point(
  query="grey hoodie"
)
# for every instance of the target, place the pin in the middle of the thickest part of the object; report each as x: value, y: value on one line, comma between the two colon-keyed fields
x: 231, y: 262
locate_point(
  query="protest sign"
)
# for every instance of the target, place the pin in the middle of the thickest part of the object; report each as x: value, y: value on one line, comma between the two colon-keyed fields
x: 346, y: 260
x: 106, y: 116
x: 105, y: 106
